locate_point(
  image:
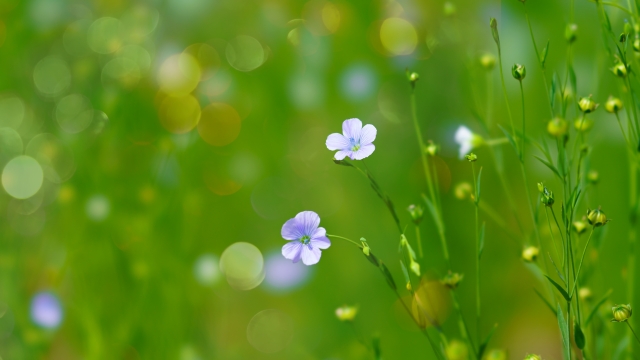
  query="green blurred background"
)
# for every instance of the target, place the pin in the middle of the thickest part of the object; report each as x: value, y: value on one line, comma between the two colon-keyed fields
x: 177, y: 128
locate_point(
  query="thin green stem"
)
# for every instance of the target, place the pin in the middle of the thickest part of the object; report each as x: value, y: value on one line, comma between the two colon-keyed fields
x: 535, y: 47
x: 419, y: 241
x: 626, y: 139
x: 524, y: 136
x: 634, y: 333
x: 576, y: 276
x: 561, y: 236
x: 477, y: 201
x: 633, y: 107
x: 553, y: 238
x: 344, y: 238
x: 504, y: 92
x: 631, y: 262
x: 423, y: 155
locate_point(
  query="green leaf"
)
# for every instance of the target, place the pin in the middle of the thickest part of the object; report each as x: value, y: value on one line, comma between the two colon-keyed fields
x: 607, y: 22
x: 478, y: 186
x: 557, y: 270
x: 564, y: 331
x: 405, y: 272
x: 573, y: 79
x: 549, y: 165
x: 485, y: 343
x: 372, y: 259
x: 387, y: 275
x: 342, y: 162
x: 434, y: 214
x: 545, y: 302
x: 511, y: 140
x: 594, y: 311
x: 578, y: 336
x: 560, y: 289
x: 375, y: 342
x: 543, y: 56
x: 554, y: 89
x: 481, y: 241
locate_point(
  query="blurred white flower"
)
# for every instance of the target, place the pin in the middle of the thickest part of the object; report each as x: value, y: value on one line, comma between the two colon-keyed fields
x: 467, y: 141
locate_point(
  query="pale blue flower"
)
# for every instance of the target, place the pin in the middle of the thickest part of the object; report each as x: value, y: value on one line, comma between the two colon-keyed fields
x: 46, y: 310
x: 305, y: 238
x: 355, y: 142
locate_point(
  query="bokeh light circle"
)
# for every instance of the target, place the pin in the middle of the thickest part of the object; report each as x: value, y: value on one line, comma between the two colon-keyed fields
x: 206, y: 269
x: 55, y: 158
x: 207, y: 57
x: 358, y: 82
x: 140, y: 21
x: 282, y: 274
x: 121, y: 71
x: 22, y: 177
x: 179, y: 114
x: 270, y: 331
x: 243, y: 266
x: 10, y: 145
x: 245, y: 53
x: 398, y: 36
x: 219, y: 124
x: 98, y: 207
x: 74, y: 38
x: 51, y: 76
x: 74, y: 113
x: 46, y: 310
x: 179, y: 74
x: 7, y: 320
x: 105, y: 35
x: 12, y: 111
x: 321, y: 17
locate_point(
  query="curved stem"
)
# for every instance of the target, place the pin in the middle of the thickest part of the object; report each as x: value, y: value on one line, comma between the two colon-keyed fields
x: 344, y: 238
x: 634, y: 333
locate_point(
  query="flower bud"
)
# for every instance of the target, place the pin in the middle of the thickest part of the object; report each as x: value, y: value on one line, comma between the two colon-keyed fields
x: 416, y: 212
x: 530, y: 254
x: 585, y: 294
x: 488, y: 61
x: 636, y: 45
x: 579, y: 226
x: 346, y: 313
x: 621, y: 313
x: 583, y: 124
x: 557, y: 127
x: 519, y: 72
x: 620, y: 70
x: 596, y: 217
x: 571, y: 32
x: 593, y: 177
x: 413, y: 77
x: 451, y: 280
x: 532, y: 357
x: 587, y: 105
x: 496, y: 354
x: 613, y: 105
x: 457, y: 350
x: 546, y: 195
x: 432, y: 149
x: 463, y: 191
x: 472, y: 157
x: 415, y: 267
x: 449, y: 9
x: 622, y: 38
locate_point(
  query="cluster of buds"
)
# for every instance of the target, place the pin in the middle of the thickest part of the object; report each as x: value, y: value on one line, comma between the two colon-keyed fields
x: 587, y: 105
x: 346, y: 313
x: 530, y: 254
x: 557, y: 127
x: 597, y: 217
x: 613, y: 105
x: 518, y: 71
x: 621, y: 313
x: 546, y: 195
x: 417, y: 213
x: 451, y: 280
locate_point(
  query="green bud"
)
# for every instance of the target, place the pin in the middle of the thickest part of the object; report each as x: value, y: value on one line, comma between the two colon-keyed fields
x: 472, y: 157
x: 597, y: 217
x: 413, y: 77
x: 622, y: 38
x: 346, y: 313
x: 493, y: 23
x: 496, y: 354
x: 636, y: 45
x: 580, y: 226
x: 587, y: 105
x: 416, y: 212
x: 463, y: 191
x: 415, y: 267
x: 546, y: 195
x: 519, y: 72
x: 613, y: 105
x: 627, y: 28
x: 532, y: 357
x: 583, y: 124
x: 585, y: 294
x: 557, y: 127
x: 432, y: 149
x: 451, y: 280
x: 571, y: 32
x: 488, y: 61
x: 620, y: 70
x: 593, y: 177
x: 530, y: 254
x: 621, y: 313
x: 457, y: 350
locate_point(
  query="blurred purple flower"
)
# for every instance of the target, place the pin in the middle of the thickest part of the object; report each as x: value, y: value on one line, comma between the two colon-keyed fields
x: 305, y: 238
x: 354, y: 142
x: 46, y: 310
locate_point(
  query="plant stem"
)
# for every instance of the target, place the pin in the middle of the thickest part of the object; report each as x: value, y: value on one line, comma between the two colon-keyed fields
x: 634, y: 333
x: 535, y: 47
x: 575, y: 276
x: 553, y: 238
x: 504, y: 92
x: 419, y: 241
x: 477, y: 201
x: 631, y: 262
x: 423, y: 155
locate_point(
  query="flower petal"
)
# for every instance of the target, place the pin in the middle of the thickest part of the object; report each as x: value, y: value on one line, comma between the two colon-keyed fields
x: 293, y: 229
x: 465, y: 148
x: 340, y: 155
x: 364, y: 152
x: 309, y: 222
x: 463, y: 135
x: 292, y: 251
x: 351, y: 129
x: 337, y: 142
x: 319, y: 239
x: 310, y: 255
x: 368, y: 134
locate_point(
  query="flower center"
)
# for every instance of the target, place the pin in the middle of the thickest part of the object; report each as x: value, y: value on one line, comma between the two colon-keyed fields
x: 305, y: 239
x: 355, y: 146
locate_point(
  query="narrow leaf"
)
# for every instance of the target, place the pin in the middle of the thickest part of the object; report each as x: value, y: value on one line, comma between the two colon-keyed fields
x: 564, y: 331
x: 545, y: 301
x: 560, y: 289
x: 511, y: 140
x: 549, y: 165
x: 485, y: 343
x: 387, y: 275
x: 557, y: 270
x: 372, y: 259
x: 481, y: 241
x: 597, y: 306
x: 578, y: 336
x: 405, y: 272
x: 554, y: 89
x: 434, y: 213
x: 543, y: 56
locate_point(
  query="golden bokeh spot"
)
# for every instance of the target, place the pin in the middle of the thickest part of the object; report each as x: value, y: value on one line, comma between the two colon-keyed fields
x: 398, y: 36
x: 321, y: 17
x: 431, y: 303
x: 179, y: 74
x: 207, y: 57
x: 219, y: 124
x: 331, y: 17
x: 179, y: 114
